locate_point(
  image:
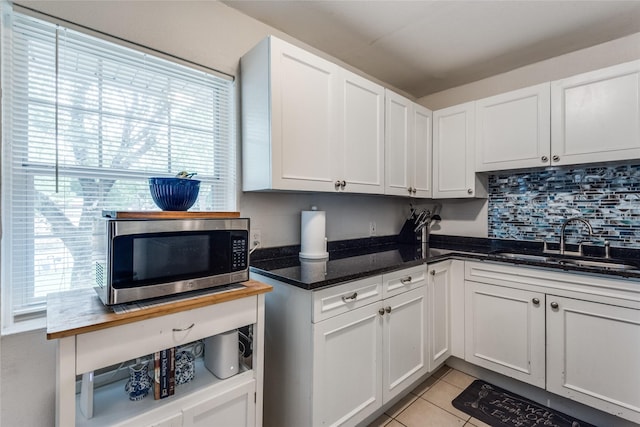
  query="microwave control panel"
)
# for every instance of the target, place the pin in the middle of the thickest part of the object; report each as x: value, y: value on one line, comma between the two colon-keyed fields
x: 239, y: 251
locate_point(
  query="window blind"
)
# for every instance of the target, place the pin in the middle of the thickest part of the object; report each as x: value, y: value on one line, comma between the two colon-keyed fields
x: 85, y: 123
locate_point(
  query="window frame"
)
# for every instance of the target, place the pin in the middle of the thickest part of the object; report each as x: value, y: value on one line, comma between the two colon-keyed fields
x: 32, y: 316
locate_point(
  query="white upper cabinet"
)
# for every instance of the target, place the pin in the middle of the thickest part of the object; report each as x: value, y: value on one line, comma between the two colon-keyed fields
x: 513, y: 130
x: 362, y: 134
x: 596, y: 116
x: 421, y: 161
x: 308, y: 124
x: 454, y: 153
x: 408, y: 147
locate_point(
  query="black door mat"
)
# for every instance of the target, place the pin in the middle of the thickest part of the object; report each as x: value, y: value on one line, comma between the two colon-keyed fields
x: 500, y: 408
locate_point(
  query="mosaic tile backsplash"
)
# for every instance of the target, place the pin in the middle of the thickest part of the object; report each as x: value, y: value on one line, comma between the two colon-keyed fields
x: 533, y: 205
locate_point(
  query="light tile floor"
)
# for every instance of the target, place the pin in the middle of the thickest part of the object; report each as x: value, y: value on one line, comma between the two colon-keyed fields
x: 429, y: 404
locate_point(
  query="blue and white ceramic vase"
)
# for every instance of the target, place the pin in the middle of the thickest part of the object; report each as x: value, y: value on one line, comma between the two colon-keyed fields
x: 139, y: 382
x: 185, y: 367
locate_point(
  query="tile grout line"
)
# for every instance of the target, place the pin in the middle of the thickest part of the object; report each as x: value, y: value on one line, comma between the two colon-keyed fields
x: 419, y: 396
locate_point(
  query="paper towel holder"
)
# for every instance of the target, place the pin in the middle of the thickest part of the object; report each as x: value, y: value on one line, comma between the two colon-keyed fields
x: 313, y: 240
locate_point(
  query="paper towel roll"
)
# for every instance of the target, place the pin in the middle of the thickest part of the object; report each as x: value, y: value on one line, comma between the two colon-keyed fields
x: 313, y: 242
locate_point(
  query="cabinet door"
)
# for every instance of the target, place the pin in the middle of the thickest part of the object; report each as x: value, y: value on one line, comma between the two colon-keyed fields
x: 405, y: 341
x: 593, y: 351
x: 596, y: 116
x: 421, y: 160
x: 513, y: 130
x: 398, y: 139
x: 234, y: 408
x: 304, y: 131
x: 505, y: 331
x: 362, y: 154
x: 347, y: 370
x: 454, y: 152
x: 439, y: 297
x: 172, y: 421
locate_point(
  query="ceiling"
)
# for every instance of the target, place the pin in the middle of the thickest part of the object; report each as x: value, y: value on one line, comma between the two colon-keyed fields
x: 423, y: 47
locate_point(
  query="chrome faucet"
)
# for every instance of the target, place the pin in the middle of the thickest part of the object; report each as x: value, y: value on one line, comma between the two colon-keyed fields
x: 562, y: 232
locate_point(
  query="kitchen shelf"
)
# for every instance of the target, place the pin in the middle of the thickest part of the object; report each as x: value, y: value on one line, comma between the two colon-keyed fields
x: 112, y: 405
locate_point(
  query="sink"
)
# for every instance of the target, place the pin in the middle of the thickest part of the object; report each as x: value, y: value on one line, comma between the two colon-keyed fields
x: 522, y: 257
x: 607, y: 265
x: 613, y: 265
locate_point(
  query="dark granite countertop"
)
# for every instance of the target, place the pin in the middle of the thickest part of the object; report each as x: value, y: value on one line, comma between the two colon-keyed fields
x: 359, y: 258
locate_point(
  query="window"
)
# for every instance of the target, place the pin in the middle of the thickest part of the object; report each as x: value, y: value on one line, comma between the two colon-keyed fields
x: 85, y: 123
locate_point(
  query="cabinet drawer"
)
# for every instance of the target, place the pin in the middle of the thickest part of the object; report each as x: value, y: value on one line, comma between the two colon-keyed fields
x: 148, y: 336
x: 397, y: 282
x: 342, y: 298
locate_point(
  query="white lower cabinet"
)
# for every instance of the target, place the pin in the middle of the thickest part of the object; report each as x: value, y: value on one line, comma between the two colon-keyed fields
x: 576, y: 335
x: 404, y: 351
x: 172, y: 421
x: 347, y: 366
x: 445, y: 294
x: 235, y: 407
x: 593, y: 354
x: 335, y: 356
x: 505, y: 331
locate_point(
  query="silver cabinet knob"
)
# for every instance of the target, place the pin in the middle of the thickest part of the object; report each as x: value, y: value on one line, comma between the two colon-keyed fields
x: 556, y: 158
x: 343, y: 184
x: 337, y: 184
x: 387, y: 309
x: 381, y: 311
x: 554, y: 305
x: 414, y: 190
x: 470, y: 191
x: 535, y: 301
x: 544, y: 159
x: 410, y: 190
x: 432, y: 272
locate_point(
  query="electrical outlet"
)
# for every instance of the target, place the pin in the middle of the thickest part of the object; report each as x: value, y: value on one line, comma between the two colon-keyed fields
x: 372, y: 228
x: 256, y: 238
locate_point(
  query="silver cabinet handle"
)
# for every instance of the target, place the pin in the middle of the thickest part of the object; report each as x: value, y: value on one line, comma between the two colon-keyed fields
x: 381, y: 311
x: 410, y: 190
x: 545, y: 159
x: 414, y: 191
x: 432, y: 272
x: 343, y: 184
x: 337, y: 184
x: 470, y: 191
x: 406, y: 280
x: 387, y: 309
x: 535, y: 301
x: 556, y: 158
x: 350, y: 298
x: 554, y: 305
x: 184, y: 329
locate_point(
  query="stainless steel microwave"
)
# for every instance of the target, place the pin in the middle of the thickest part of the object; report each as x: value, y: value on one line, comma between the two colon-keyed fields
x: 151, y: 258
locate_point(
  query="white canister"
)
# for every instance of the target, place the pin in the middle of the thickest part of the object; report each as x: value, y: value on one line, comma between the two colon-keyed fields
x: 313, y: 240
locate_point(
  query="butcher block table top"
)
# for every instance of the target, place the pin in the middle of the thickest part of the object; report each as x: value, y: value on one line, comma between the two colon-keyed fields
x: 79, y: 311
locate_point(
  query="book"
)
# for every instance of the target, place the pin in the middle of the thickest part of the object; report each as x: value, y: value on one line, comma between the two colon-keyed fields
x: 156, y: 375
x: 164, y: 373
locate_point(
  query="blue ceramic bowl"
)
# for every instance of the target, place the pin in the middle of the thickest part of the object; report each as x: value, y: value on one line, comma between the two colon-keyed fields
x: 174, y: 194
